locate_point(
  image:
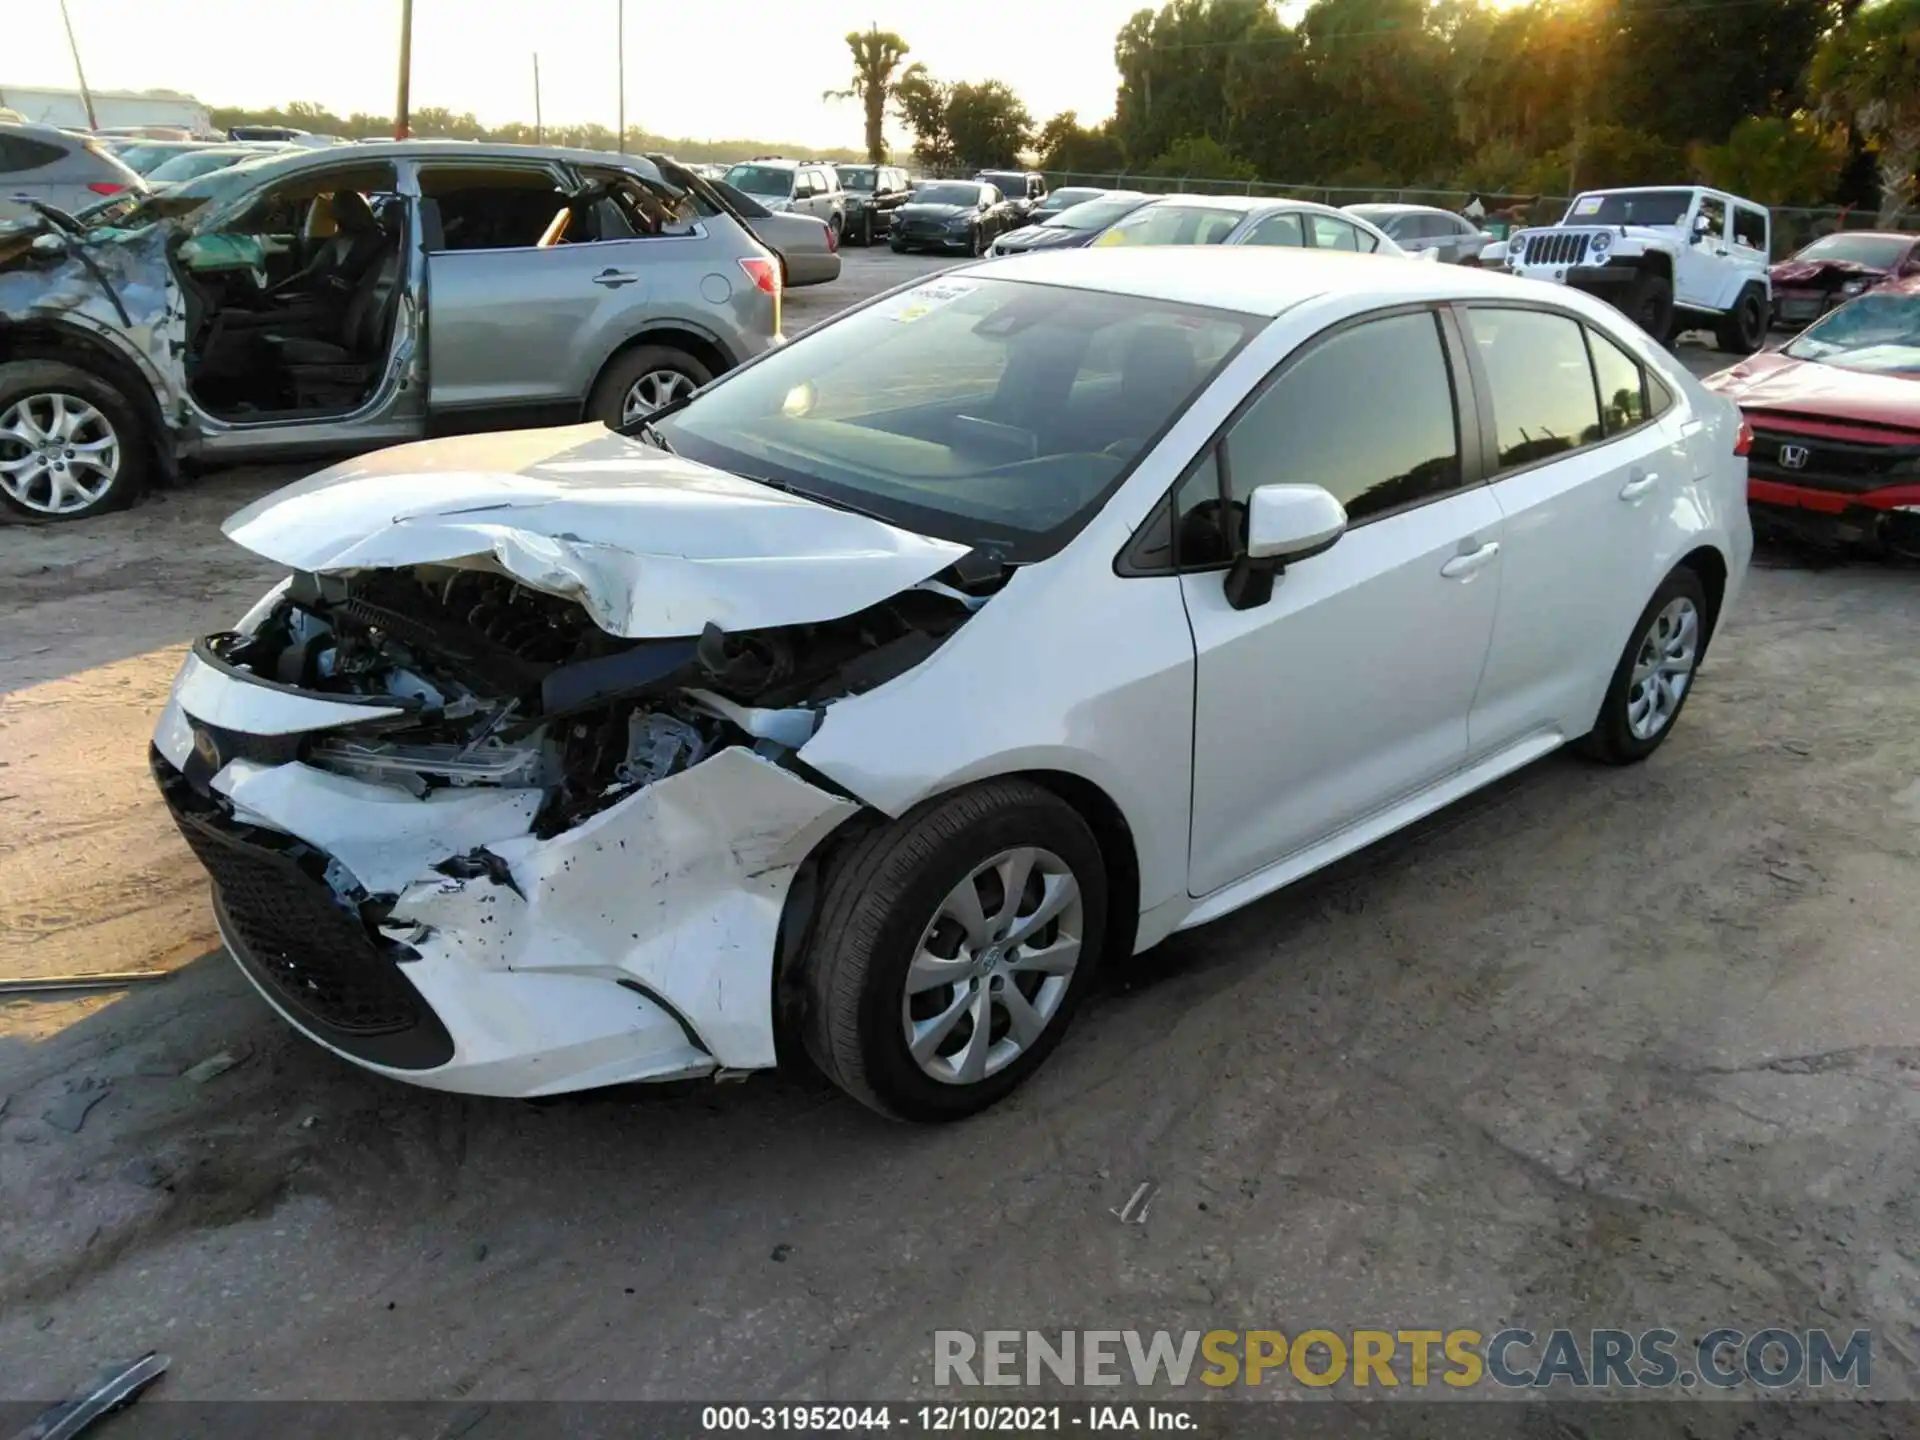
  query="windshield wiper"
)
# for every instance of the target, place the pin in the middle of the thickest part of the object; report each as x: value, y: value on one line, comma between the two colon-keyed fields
x: 641, y: 427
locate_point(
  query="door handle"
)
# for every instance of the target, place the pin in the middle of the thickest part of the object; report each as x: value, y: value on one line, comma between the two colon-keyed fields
x: 1463, y: 567
x: 1639, y: 482
x: 614, y: 279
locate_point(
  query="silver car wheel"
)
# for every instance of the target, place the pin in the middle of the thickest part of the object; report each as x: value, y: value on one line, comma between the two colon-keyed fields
x: 58, y: 454
x: 653, y: 390
x: 992, y: 966
x: 1663, y: 668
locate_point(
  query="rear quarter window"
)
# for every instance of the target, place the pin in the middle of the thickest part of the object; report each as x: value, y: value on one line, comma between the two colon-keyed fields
x: 18, y: 153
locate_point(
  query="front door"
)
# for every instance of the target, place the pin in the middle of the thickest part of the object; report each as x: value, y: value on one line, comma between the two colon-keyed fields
x: 1703, y: 255
x: 1350, y: 688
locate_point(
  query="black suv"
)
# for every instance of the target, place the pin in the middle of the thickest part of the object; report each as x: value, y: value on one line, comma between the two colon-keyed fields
x: 874, y: 192
x: 1025, y: 189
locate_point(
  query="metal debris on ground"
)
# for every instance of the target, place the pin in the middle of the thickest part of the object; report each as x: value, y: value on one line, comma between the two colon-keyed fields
x: 115, y: 1386
x: 1134, y: 1212
x: 35, y: 984
x: 213, y: 1066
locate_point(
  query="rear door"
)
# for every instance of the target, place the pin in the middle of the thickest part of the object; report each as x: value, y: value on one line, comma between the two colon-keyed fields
x: 1586, y: 461
x: 521, y: 283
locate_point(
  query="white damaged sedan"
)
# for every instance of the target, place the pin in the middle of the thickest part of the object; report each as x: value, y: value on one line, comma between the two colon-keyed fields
x: 862, y: 703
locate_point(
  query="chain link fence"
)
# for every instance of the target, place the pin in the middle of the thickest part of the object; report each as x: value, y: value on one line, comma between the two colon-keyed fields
x: 1793, y: 227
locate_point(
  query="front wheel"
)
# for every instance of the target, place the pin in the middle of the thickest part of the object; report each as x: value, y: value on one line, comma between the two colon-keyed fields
x: 1650, y: 305
x: 1655, y: 675
x: 1743, y: 329
x: 639, y: 381
x: 71, y: 444
x: 976, y: 242
x: 952, y: 948
x: 866, y: 229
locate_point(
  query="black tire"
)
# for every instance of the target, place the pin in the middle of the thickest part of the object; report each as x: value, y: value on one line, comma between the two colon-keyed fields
x: 976, y: 242
x: 866, y: 229
x: 1613, y: 740
x: 1743, y: 329
x: 1650, y: 305
x: 882, y: 893
x: 607, y: 404
x: 898, y: 247
x: 119, y: 415
x: 838, y: 225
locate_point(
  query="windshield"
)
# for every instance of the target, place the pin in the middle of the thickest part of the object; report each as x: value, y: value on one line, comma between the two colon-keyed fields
x: 761, y: 180
x: 193, y: 163
x: 1876, y: 332
x: 947, y: 194
x: 1633, y: 207
x: 856, y: 177
x: 1092, y: 215
x: 129, y: 212
x: 1173, y: 225
x: 1882, y: 252
x: 982, y: 411
x: 141, y: 159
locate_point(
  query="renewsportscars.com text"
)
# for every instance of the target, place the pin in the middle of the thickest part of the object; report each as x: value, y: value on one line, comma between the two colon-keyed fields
x: 1723, y: 1358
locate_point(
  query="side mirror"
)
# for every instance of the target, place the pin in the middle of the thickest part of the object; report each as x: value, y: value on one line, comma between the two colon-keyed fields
x: 1285, y: 524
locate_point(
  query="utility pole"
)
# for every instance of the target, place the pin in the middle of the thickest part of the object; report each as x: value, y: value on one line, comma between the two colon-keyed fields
x: 539, y: 129
x: 86, y: 95
x: 401, y: 126
x: 620, y: 52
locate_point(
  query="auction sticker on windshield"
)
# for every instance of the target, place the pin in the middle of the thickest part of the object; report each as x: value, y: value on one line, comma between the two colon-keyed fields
x: 1588, y: 206
x: 925, y: 299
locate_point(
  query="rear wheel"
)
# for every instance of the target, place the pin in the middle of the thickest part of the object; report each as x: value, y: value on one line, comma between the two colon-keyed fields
x: 1655, y: 675
x: 642, y: 380
x: 952, y: 948
x: 1743, y: 329
x: 1650, y: 305
x: 71, y: 444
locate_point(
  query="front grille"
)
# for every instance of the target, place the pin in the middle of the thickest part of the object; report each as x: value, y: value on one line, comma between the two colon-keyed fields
x: 1556, y: 247
x: 300, y: 940
x: 1848, y: 467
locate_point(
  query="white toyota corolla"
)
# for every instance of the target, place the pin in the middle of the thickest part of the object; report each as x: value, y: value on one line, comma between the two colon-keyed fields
x: 863, y: 703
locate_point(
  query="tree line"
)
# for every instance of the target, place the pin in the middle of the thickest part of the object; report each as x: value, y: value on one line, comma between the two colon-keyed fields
x: 435, y: 123
x: 1788, y: 102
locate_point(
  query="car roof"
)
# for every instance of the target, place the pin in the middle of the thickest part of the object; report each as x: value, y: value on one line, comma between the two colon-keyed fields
x: 1396, y: 207
x: 49, y: 134
x: 292, y: 160
x: 1257, y: 280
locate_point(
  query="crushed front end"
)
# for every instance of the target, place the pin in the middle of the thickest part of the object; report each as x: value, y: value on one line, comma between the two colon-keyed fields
x: 460, y: 834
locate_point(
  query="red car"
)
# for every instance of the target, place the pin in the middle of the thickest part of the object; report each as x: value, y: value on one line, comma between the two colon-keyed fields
x: 1835, y: 268
x: 1836, y: 423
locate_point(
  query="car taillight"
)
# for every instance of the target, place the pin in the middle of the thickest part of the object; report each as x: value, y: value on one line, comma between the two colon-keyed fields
x: 106, y: 187
x: 765, y: 274
x: 1743, y: 442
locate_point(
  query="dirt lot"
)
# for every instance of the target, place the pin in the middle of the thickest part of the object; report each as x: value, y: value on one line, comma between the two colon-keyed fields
x: 1599, y: 1049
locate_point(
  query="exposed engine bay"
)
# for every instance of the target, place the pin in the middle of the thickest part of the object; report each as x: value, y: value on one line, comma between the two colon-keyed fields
x: 504, y: 685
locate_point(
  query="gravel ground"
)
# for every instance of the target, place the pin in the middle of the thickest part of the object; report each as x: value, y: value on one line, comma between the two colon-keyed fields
x: 1599, y: 1048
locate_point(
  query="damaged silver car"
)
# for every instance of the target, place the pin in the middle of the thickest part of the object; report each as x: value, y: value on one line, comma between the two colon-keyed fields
x: 317, y: 301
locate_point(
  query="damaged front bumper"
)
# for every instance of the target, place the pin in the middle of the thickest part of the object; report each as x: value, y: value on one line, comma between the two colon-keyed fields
x: 441, y: 940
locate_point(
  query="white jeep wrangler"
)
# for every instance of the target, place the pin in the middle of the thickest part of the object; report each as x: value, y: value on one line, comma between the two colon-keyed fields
x: 1674, y: 258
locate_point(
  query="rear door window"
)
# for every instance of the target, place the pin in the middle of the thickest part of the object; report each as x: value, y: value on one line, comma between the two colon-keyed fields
x: 1541, y: 381
x: 1330, y: 233
x: 1622, y: 384
x: 1749, y: 227
x: 18, y: 153
x: 1281, y: 229
x: 503, y: 208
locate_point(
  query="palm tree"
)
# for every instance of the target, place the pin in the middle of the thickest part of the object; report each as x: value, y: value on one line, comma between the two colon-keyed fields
x: 877, y: 54
x: 1867, y: 72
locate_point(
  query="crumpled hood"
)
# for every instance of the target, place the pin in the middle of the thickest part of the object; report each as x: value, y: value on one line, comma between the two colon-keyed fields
x: 651, y: 545
x: 1773, y: 381
x: 1801, y: 272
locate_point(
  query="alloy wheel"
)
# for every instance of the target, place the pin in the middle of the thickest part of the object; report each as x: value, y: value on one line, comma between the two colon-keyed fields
x: 1663, y: 668
x: 993, y: 966
x: 653, y: 390
x: 58, y: 454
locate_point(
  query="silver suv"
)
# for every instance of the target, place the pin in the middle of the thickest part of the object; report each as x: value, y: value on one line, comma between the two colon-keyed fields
x: 69, y: 172
x: 333, y: 300
x: 800, y: 186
